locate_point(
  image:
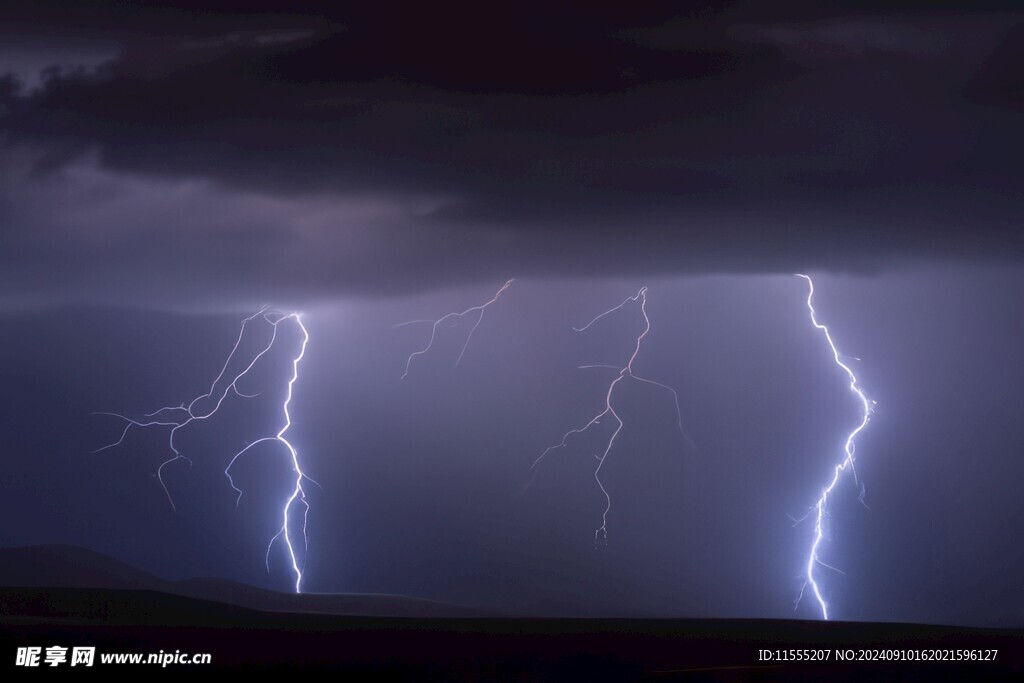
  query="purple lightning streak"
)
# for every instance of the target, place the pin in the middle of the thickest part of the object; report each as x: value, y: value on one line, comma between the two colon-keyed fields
x: 820, y: 507
x: 623, y: 372
x: 452, y: 318
x: 190, y: 413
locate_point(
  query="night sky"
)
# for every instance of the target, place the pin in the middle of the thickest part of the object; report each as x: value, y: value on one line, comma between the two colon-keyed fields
x: 167, y: 169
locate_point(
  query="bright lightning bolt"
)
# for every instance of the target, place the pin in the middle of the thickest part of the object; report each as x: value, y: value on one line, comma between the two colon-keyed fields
x: 186, y: 414
x: 452, y: 317
x: 820, y: 507
x: 623, y: 372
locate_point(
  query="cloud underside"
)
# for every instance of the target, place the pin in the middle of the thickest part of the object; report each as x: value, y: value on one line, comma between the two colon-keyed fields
x: 284, y: 155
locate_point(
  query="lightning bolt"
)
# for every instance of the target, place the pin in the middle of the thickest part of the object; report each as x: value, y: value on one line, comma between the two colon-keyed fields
x: 452, y: 318
x: 180, y: 416
x: 624, y: 372
x: 820, y: 507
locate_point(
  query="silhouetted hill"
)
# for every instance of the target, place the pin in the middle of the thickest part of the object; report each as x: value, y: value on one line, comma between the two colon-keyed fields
x: 362, y: 604
x: 116, y: 621
x: 63, y: 566
x: 70, y: 567
x: 417, y: 640
x: 121, y: 607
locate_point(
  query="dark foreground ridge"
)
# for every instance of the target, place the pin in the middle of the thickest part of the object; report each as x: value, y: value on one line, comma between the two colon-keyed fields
x: 446, y: 646
x: 63, y: 566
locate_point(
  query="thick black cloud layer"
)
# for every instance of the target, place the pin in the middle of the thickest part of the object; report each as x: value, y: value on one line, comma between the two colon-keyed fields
x: 388, y: 147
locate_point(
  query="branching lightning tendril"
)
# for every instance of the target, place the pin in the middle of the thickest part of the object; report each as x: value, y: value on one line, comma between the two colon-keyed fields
x: 820, y: 507
x: 449, y: 318
x: 623, y: 372
x: 180, y: 416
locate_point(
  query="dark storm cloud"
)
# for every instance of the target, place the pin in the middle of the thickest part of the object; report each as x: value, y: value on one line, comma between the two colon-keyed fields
x: 258, y: 149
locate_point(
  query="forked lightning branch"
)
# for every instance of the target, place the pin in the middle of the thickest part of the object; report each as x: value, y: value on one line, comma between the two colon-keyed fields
x: 205, y: 406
